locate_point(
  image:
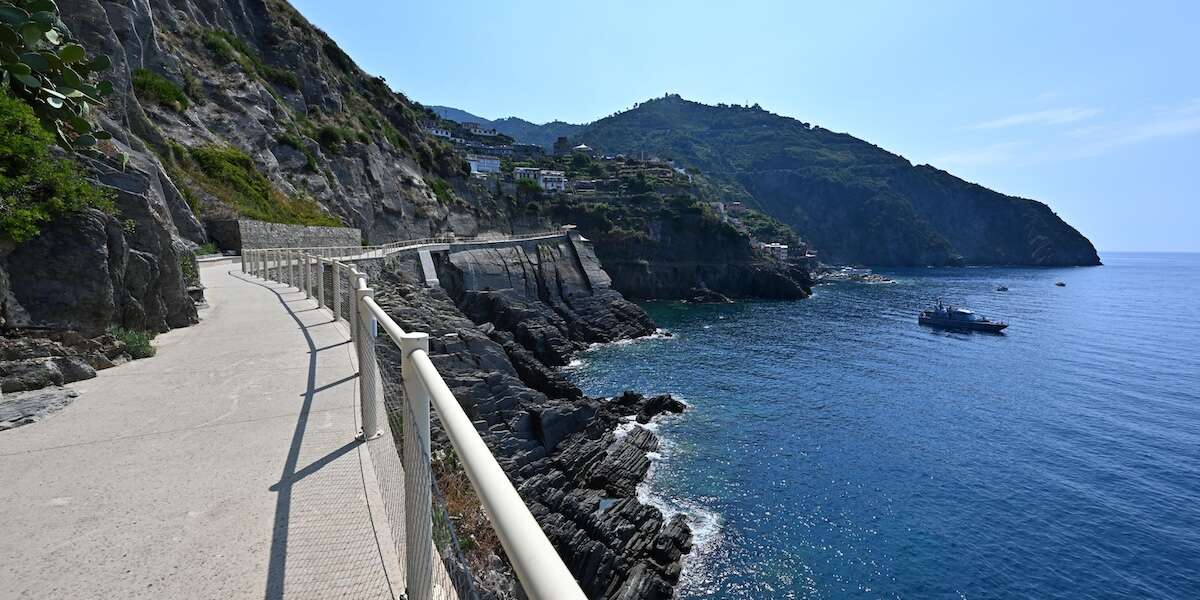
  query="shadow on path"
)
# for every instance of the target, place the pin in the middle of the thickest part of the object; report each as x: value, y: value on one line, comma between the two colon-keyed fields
x: 283, y: 503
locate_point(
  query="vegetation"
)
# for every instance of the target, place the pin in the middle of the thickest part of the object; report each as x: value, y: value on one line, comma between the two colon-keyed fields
x: 154, y: 87
x: 228, y: 48
x: 35, y: 187
x: 441, y: 190
x: 229, y: 175
x: 137, y: 343
x: 42, y: 65
x: 208, y: 248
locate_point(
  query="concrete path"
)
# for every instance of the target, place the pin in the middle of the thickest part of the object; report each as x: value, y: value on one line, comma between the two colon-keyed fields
x: 224, y: 467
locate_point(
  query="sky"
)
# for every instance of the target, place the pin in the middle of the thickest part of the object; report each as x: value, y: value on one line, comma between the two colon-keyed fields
x: 1091, y: 107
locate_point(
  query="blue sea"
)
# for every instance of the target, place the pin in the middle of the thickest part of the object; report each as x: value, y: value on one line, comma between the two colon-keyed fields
x: 835, y: 449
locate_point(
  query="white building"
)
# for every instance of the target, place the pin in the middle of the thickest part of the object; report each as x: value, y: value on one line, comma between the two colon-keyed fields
x: 477, y: 129
x: 528, y: 173
x: 434, y: 130
x: 552, y: 181
x: 481, y: 163
x: 777, y: 251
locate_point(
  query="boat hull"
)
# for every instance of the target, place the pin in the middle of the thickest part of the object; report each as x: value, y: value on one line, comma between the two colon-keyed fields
x: 985, y: 326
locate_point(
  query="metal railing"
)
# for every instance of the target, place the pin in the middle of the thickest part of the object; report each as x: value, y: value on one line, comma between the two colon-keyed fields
x: 540, y: 570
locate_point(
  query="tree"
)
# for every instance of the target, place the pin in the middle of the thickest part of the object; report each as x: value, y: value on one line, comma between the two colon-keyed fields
x: 42, y: 65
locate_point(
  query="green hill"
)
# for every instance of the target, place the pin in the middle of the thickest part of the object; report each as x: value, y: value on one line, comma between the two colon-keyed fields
x: 856, y: 202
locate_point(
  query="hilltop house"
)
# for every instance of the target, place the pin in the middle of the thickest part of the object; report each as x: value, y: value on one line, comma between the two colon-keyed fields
x: 776, y: 250
x: 526, y: 173
x: 437, y: 131
x: 477, y: 129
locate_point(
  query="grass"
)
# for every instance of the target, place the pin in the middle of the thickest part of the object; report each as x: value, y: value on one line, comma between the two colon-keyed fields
x: 153, y: 87
x: 137, y: 343
x: 230, y: 175
x: 227, y: 48
x: 209, y: 248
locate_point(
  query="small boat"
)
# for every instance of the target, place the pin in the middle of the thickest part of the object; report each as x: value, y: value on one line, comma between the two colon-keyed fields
x: 1003, y: 288
x: 1060, y: 284
x: 960, y: 319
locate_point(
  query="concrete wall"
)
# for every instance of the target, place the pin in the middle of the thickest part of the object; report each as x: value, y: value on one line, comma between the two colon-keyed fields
x: 250, y: 235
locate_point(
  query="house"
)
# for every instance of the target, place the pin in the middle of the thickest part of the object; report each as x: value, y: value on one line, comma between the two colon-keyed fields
x: 552, y: 181
x: 477, y: 129
x: 482, y: 163
x: 776, y: 250
x: 583, y: 149
x: 526, y: 173
x: 735, y: 209
x: 437, y: 131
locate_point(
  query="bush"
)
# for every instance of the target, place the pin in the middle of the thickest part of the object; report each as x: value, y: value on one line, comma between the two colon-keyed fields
x: 441, y: 190
x: 227, y: 48
x: 137, y: 343
x: 154, y: 87
x: 230, y: 175
x: 36, y: 188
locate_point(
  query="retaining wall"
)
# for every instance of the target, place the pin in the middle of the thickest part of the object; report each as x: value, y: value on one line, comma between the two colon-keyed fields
x: 250, y: 235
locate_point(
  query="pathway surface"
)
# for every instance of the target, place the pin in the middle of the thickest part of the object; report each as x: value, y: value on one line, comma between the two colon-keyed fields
x: 224, y: 467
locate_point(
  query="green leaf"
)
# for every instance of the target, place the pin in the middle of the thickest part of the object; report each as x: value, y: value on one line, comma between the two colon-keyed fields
x: 79, y: 124
x: 18, y: 68
x: 72, y: 53
x: 7, y: 55
x: 105, y: 87
x: 101, y: 134
x: 54, y: 102
x: 54, y: 37
x: 32, y: 33
x: 35, y: 61
x: 9, y: 36
x: 101, y: 62
x: 42, y: 5
x: 28, y: 81
x: 43, y: 17
x: 85, y: 141
x: 12, y: 14
x: 70, y: 78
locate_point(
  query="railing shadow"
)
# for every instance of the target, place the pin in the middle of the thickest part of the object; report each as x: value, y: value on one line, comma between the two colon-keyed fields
x: 277, y: 566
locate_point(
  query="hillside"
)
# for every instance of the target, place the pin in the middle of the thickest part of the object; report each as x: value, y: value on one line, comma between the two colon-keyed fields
x: 526, y: 132
x: 856, y: 202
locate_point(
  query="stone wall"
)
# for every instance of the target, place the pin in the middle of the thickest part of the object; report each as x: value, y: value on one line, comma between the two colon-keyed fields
x: 248, y: 234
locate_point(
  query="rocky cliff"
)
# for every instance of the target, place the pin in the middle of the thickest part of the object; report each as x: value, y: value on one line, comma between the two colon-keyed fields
x: 504, y: 316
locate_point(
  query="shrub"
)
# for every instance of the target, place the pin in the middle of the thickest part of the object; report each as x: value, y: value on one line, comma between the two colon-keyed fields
x: 137, y: 343
x: 154, y: 87
x: 441, y: 190
x: 36, y: 188
x: 208, y: 248
x: 221, y: 49
x: 230, y: 175
x: 227, y: 48
x: 42, y: 65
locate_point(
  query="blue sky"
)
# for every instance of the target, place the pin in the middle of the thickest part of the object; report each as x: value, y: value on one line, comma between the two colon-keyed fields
x: 1093, y: 108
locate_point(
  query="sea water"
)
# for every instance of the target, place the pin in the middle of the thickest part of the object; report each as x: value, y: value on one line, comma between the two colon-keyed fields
x: 834, y: 448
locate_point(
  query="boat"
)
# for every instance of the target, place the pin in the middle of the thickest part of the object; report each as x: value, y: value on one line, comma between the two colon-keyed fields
x: 1003, y: 288
x: 1060, y: 284
x: 956, y: 318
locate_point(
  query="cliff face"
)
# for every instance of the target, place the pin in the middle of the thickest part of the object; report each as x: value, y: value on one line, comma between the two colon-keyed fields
x: 504, y: 315
x: 856, y: 202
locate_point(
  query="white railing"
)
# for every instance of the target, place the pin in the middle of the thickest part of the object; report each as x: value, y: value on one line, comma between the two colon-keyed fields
x: 541, y: 572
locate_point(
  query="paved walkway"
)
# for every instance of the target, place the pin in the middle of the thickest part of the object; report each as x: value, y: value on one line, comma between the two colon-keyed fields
x: 224, y: 467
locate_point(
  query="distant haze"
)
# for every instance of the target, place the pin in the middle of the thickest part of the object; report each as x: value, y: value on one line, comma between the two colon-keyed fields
x: 1091, y: 109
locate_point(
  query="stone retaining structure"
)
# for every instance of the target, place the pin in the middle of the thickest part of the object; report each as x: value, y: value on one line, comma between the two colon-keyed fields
x: 247, y: 234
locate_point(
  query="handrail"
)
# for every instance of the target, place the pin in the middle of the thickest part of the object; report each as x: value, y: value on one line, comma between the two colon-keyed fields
x: 540, y: 569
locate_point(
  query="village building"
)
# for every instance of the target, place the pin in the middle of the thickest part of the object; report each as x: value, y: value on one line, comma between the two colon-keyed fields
x: 583, y: 149
x: 482, y: 163
x: 776, y: 250
x: 526, y: 173
x: 477, y: 129
x: 552, y: 181
x: 437, y: 131
x: 735, y: 209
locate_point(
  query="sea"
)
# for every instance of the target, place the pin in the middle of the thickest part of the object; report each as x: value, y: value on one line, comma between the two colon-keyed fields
x: 834, y: 448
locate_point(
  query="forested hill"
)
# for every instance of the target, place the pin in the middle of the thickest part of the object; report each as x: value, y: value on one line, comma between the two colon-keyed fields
x: 856, y: 202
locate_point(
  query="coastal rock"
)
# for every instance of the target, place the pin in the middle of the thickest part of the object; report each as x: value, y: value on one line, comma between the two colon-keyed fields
x: 36, y: 359
x: 706, y: 296
x: 559, y: 449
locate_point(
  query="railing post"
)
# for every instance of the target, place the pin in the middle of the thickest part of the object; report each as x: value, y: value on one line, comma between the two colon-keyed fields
x: 418, y: 491
x: 335, y: 279
x: 367, y: 368
x: 352, y: 310
x: 306, y: 274
x: 321, y: 282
